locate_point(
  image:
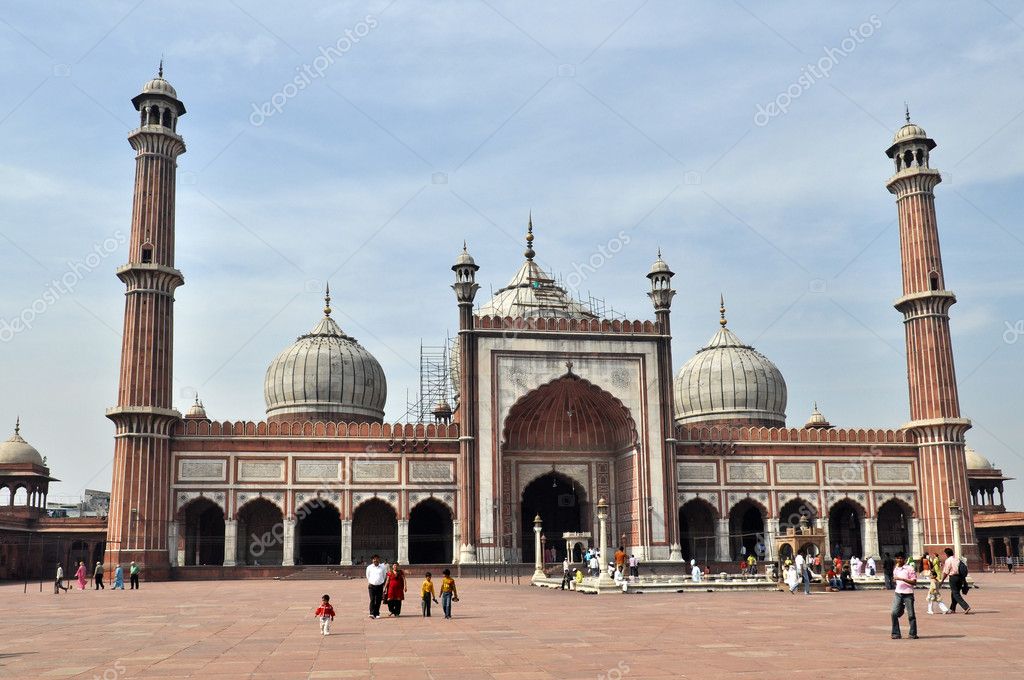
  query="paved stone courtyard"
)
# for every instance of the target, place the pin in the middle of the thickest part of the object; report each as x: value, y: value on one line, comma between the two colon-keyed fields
x: 265, y: 629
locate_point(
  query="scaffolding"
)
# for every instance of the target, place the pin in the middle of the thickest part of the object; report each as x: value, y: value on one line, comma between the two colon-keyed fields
x: 434, y: 383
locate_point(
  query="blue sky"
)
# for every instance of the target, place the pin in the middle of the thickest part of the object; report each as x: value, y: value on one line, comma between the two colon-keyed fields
x: 437, y: 123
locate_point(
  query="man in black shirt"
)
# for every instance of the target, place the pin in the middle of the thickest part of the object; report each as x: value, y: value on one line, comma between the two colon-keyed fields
x: 887, y: 566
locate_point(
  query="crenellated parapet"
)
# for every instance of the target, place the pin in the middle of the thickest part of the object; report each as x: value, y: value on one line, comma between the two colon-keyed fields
x: 399, y: 432
x: 793, y: 434
x: 563, y: 325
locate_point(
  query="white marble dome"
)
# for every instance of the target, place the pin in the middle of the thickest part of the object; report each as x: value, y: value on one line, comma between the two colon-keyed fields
x: 325, y: 375
x: 729, y: 381
x: 17, y: 451
x: 976, y: 461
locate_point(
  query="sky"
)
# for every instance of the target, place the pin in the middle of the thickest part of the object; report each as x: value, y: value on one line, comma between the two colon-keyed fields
x: 361, y: 142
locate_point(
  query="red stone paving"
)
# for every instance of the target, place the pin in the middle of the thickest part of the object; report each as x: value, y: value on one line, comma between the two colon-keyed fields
x: 265, y: 629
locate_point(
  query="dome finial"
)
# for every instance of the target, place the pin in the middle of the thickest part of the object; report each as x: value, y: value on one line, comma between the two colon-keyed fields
x: 17, y: 424
x: 529, y: 237
x: 906, y: 111
x: 721, y: 310
x: 160, y: 70
x: 327, y: 300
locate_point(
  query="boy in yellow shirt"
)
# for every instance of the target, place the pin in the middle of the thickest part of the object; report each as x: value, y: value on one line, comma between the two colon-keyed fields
x: 427, y: 594
x: 448, y: 593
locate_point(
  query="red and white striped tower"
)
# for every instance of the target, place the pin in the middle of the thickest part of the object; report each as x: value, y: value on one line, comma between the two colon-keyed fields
x: 934, y: 405
x: 140, y: 502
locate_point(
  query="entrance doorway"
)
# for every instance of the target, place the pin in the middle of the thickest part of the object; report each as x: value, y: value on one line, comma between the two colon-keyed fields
x: 260, y: 533
x: 844, y: 523
x: 746, y: 528
x: 374, y: 532
x: 204, y: 532
x: 560, y: 503
x: 319, y: 533
x: 893, y: 530
x: 697, y: 531
x: 430, y: 533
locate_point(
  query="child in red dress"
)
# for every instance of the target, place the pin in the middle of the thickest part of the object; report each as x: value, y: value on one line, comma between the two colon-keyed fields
x: 326, y: 614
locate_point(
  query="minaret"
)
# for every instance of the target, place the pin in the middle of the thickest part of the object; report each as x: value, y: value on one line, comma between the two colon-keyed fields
x: 465, y: 288
x: 934, y: 405
x: 140, y: 499
x: 661, y: 295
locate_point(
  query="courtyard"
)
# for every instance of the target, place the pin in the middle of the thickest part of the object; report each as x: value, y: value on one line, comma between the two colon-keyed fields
x: 265, y: 629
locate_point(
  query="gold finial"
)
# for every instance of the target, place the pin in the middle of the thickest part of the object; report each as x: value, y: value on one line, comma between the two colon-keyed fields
x: 906, y: 112
x: 721, y: 310
x: 327, y: 300
x: 464, y: 246
x: 529, y: 238
x: 17, y: 425
x: 659, y: 252
x: 160, y: 71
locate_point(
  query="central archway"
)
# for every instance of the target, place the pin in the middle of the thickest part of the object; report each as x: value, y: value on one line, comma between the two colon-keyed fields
x: 746, y: 527
x: 560, y: 503
x: 893, y: 529
x: 430, y: 533
x: 319, y: 533
x: 844, y: 526
x: 374, y: 532
x: 260, y: 533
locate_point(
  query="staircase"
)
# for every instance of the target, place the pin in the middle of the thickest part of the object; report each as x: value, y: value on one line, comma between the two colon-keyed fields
x: 317, y: 573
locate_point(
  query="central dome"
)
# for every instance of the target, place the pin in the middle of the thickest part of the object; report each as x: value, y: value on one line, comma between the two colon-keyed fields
x: 17, y: 451
x: 325, y: 375
x: 731, y: 382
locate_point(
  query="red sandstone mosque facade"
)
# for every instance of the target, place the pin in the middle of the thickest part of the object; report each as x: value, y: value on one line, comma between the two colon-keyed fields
x: 553, y: 409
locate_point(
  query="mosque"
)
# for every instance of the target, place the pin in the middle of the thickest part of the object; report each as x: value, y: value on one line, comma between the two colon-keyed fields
x: 553, y: 410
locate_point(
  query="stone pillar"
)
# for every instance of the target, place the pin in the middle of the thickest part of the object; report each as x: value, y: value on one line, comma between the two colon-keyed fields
x: 346, y: 542
x: 403, y: 541
x: 954, y: 517
x: 603, y: 580
x: 869, y: 537
x: 288, y: 558
x: 456, y: 534
x: 771, y: 534
x: 230, y: 542
x: 723, y: 541
x: 172, y: 544
x: 538, y: 558
x: 916, y: 536
x: 1008, y: 542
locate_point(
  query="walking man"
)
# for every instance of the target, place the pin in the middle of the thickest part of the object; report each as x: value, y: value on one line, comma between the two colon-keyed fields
x: 97, y: 575
x: 956, y: 571
x: 905, y: 578
x: 58, y: 583
x: 375, y: 575
x: 565, y: 573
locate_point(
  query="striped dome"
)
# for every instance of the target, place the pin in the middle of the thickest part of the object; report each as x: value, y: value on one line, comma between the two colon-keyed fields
x: 325, y: 375
x: 727, y: 380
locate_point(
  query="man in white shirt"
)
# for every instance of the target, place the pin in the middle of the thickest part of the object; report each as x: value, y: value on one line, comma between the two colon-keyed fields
x: 375, y: 575
x: 951, y: 570
x: 803, y: 572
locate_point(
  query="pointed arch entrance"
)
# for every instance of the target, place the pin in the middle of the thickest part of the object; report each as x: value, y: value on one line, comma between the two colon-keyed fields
x: 572, y: 424
x: 318, y: 531
x: 374, y: 532
x: 893, y: 529
x: 260, y: 533
x: 844, y: 529
x: 697, y: 521
x: 430, y: 533
x: 560, y: 502
x: 746, y: 527
x: 203, y: 523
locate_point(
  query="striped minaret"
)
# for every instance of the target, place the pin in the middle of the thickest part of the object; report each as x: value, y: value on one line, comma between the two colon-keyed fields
x: 934, y: 405
x: 140, y: 502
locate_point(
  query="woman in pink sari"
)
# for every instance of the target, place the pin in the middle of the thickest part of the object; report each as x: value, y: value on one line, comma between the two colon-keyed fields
x: 81, y: 575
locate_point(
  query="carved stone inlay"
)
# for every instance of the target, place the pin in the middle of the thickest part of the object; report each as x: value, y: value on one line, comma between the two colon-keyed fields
x: 431, y: 471
x: 252, y: 471
x: 447, y: 498
x: 202, y: 470
x: 898, y: 473
x: 906, y: 497
x: 761, y: 498
x: 316, y: 470
x: 795, y: 472
x: 697, y: 472
x: 243, y: 497
x: 711, y: 497
x: 374, y: 471
x: 389, y: 498
x: 747, y: 472
x: 217, y: 497
x: 844, y: 473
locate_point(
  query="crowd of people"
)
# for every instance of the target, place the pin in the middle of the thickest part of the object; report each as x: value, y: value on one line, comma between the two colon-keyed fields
x: 97, y: 577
